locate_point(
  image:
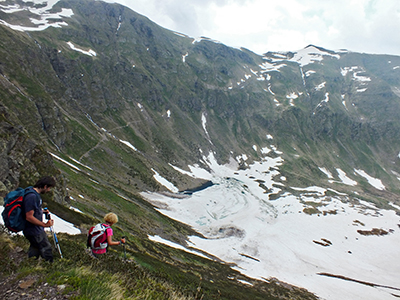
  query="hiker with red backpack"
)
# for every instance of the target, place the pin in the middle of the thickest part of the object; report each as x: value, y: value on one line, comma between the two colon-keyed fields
x: 100, y: 236
x: 34, y: 226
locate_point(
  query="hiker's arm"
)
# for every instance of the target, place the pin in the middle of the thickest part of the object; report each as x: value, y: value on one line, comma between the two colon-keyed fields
x: 111, y: 242
x: 31, y: 219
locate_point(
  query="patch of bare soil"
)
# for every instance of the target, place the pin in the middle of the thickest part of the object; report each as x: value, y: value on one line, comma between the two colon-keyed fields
x: 374, y: 231
x: 323, y: 242
x: 32, y: 286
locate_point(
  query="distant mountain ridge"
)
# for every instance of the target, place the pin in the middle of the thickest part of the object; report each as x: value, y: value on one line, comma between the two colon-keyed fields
x: 115, y: 105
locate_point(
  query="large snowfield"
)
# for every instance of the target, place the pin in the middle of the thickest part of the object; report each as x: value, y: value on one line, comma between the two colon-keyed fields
x: 276, y: 238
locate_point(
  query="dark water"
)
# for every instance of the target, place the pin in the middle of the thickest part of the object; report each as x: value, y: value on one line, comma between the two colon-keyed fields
x: 199, y: 188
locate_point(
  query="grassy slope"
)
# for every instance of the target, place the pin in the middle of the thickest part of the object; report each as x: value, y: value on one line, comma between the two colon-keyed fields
x: 139, y: 276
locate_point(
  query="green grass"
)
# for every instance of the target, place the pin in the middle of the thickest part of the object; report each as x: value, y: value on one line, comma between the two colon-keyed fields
x: 81, y: 140
x: 90, y: 283
x: 157, y: 274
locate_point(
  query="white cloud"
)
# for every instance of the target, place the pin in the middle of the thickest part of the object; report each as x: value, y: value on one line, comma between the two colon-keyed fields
x: 261, y: 26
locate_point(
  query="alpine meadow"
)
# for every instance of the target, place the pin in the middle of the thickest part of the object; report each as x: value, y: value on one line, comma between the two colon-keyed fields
x: 234, y: 175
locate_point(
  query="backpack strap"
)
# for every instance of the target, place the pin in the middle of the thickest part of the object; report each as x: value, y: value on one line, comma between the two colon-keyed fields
x: 30, y: 190
x: 106, y: 226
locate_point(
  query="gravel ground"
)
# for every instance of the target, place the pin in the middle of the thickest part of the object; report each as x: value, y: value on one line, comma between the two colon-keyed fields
x: 16, y: 287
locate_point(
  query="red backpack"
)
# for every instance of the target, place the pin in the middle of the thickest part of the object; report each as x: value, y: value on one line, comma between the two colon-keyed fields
x: 97, y: 237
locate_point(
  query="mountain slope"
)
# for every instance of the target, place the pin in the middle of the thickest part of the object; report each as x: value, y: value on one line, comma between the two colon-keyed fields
x: 138, y: 276
x: 144, y: 78
x: 114, y: 105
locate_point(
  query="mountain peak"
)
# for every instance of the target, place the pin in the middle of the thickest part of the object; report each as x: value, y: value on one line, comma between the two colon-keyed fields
x: 308, y: 55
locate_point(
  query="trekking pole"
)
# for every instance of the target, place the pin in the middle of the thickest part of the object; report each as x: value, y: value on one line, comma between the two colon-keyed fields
x: 56, y: 243
x: 124, y: 249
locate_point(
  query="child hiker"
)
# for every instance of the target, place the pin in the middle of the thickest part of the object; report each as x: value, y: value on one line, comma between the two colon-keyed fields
x: 100, y: 236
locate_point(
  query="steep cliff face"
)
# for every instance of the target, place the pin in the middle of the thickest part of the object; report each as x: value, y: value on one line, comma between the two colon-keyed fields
x: 23, y: 159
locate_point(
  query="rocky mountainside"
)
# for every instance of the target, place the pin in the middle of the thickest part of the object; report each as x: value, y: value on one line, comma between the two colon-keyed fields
x: 112, y: 104
x: 102, y: 74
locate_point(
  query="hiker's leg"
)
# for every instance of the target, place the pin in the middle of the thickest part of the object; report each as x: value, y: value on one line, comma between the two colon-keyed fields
x: 34, y: 247
x: 45, y: 247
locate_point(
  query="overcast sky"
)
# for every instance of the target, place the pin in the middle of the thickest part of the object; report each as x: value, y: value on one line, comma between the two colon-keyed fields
x: 370, y: 26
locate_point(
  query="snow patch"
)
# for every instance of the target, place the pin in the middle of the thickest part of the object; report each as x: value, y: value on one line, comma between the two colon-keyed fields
x: 76, y: 209
x: 43, y: 18
x: 269, y: 89
x: 160, y: 240
x: 326, y: 172
x: 89, y: 53
x: 376, y: 183
x: 78, y: 162
x: 241, y: 158
x: 204, y: 123
x: 356, y: 70
x: 270, y: 67
x: 265, y: 150
x: 128, y: 144
x: 321, y: 86
x: 345, y: 179
x: 292, y: 96
x: 394, y: 205
x: 164, y: 182
x: 203, y: 38
x: 65, y: 162
x: 309, y: 73
x: 311, y: 55
x: 276, y: 102
x: 326, y: 100
x: 180, y: 34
